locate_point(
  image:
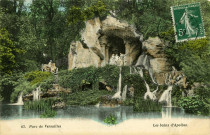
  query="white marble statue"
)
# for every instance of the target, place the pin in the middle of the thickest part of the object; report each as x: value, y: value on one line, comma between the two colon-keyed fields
x: 117, y: 60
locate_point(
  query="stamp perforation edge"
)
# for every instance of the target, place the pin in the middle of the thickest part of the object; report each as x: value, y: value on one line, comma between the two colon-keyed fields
x: 175, y: 32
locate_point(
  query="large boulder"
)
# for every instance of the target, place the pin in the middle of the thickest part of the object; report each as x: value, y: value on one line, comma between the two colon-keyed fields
x: 154, y: 47
x: 80, y: 57
x: 157, y: 62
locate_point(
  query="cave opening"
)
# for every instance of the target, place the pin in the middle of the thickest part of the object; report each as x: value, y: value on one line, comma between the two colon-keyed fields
x: 116, y: 45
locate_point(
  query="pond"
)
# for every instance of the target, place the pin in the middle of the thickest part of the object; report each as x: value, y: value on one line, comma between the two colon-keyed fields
x: 9, y: 112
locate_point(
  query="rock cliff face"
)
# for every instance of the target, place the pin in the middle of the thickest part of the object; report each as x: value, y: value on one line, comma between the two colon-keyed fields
x: 153, y: 47
x: 101, y: 39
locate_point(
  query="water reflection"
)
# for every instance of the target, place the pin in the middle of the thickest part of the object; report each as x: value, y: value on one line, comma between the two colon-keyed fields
x: 169, y: 112
x: 16, y: 112
x: 95, y: 113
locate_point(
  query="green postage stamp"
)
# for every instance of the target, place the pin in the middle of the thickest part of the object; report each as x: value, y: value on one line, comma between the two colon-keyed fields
x: 187, y: 21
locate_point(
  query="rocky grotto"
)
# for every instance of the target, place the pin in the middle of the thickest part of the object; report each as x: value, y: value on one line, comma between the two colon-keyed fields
x: 103, y: 42
x: 100, y: 40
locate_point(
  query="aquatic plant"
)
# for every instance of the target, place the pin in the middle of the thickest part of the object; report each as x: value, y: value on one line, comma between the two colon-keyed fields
x: 110, y: 120
x: 141, y: 105
x: 44, y: 105
x: 48, y: 113
x: 39, y: 105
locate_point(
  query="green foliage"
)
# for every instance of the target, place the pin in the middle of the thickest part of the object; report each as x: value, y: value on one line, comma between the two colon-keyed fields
x: 8, y: 52
x: 1, y: 89
x: 192, y: 57
x: 47, y: 83
x: 78, y: 15
x: 76, y: 78
x: 29, y: 81
x: 203, y: 92
x: 40, y: 105
x: 49, y: 113
x: 137, y: 82
x: 197, y: 46
x: 110, y: 74
x: 24, y: 87
x: 128, y: 102
x: 31, y: 65
x: 110, y: 120
x: 194, y: 105
x: 149, y: 16
x: 168, y: 35
x: 44, y: 105
x: 189, y: 56
x: 141, y: 105
x: 7, y: 85
x: 176, y: 95
x: 36, y: 77
x: 90, y: 97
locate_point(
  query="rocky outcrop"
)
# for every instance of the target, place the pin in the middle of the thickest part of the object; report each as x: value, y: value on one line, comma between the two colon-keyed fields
x: 154, y: 59
x: 101, y: 39
x: 50, y: 67
x: 82, y: 57
x: 59, y: 105
x: 55, y: 91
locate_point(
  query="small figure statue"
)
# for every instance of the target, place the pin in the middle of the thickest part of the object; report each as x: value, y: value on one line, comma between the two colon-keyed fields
x: 121, y: 59
x: 116, y: 59
x: 49, y: 64
x: 112, y: 59
x: 50, y: 67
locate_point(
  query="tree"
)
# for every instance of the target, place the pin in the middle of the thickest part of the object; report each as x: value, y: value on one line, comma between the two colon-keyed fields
x: 8, y: 52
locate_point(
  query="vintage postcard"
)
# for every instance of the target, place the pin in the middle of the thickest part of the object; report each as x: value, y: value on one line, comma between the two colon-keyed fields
x: 103, y: 67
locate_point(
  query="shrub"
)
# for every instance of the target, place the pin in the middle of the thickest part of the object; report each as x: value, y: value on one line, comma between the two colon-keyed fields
x: 90, y: 97
x: 48, y: 113
x: 76, y: 78
x: 176, y: 95
x: 194, y: 105
x: 110, y: 74
x: 128, y: 102
x: 36, y: 77
x: 141, y: 105
x: 203, y: 92
x: 137, y: 82
x: 110, y: 120
x: 47, y: 83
